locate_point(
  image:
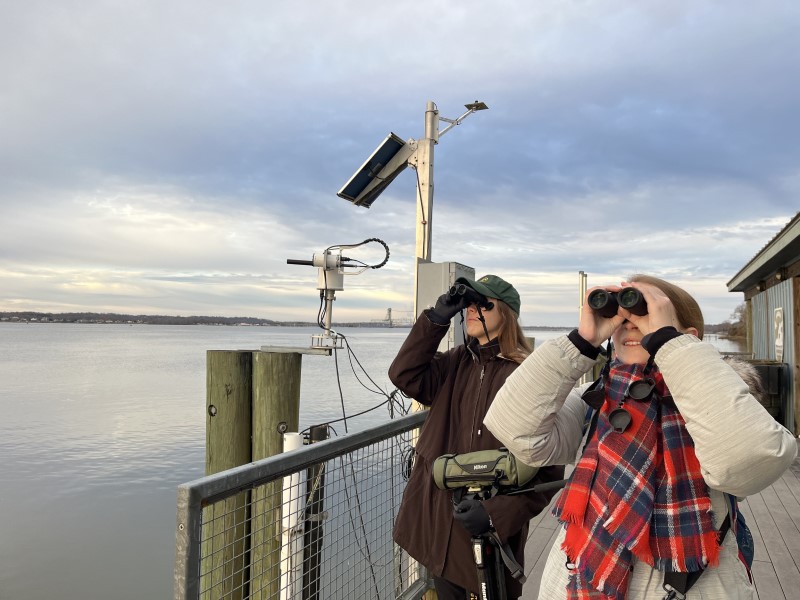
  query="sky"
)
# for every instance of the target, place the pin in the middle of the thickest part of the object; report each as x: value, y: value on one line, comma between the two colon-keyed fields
x: 168, y: 157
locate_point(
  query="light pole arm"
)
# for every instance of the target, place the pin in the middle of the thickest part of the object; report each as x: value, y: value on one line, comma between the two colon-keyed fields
x: 471, y: 108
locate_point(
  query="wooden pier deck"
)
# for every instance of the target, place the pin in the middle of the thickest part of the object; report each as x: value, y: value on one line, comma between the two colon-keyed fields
x: 773, y: 517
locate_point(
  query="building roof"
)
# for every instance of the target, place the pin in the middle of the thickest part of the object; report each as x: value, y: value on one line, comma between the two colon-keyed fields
x: 780, y: 251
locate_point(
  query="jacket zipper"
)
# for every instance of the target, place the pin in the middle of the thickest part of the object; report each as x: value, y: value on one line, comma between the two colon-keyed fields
x: 475, y: 411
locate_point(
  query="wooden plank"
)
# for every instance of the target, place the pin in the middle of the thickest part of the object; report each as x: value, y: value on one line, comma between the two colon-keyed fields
x: 795, y: 468
x: 792, y: 507
x: 780, y: 556
x: 789, y: 532
x: 766, y: 582
x: 792, y: 481
x: 536, y: 545
x: 534, y: 522
x: 540, y: 545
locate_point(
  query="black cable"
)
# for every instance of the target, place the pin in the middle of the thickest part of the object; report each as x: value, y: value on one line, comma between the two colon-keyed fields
x: 368, y: 555
x: 399, y: 404
x: 351, y: 353
x: 363, y: 412
x: 391, y: 400
x: 321, y: 311
x: 362, y: 263
x: 385, y: 247
x: 339, y: 383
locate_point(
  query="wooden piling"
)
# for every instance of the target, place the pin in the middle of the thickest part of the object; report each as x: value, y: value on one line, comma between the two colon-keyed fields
x: 253, y: 398
x: 228, y: 401
x: 276, y: 400
x: 228, y: 427
x: 275, y: 410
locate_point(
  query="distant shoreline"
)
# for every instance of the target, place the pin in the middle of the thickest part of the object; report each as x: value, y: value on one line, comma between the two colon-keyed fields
x: 126, y: 319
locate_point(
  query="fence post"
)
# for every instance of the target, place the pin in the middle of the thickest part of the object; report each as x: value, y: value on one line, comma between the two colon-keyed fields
x: 314, y: 516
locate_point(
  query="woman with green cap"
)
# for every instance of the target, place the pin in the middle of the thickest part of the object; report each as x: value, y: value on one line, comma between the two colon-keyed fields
x: 459, y: 386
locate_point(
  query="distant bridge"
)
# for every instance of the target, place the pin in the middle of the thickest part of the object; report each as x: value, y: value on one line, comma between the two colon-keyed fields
x: 397, y: 318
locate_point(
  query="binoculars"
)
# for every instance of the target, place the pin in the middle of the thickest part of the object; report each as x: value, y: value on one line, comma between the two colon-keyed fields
x: 470, y: 295
x: 605, y: 303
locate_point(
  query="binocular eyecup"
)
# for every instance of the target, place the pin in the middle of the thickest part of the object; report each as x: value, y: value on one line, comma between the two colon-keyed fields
x: 606, y: 303
x: 471, y: 296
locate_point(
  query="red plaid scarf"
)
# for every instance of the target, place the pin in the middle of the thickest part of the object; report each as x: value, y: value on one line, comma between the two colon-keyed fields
x: 637, y: 493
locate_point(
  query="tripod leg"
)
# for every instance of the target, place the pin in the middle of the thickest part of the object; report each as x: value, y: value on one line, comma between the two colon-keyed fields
x: 499, y: 572
x: 483, y: 562
x: 491, y: 577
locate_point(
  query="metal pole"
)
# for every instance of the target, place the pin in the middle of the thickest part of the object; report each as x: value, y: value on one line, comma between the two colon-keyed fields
x: 581, y: 299
x: 581, y: 292
x: 424, y: 167
x: 292, y: 525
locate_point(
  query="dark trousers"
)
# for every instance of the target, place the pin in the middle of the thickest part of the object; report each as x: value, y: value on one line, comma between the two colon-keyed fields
x: 446, y: 590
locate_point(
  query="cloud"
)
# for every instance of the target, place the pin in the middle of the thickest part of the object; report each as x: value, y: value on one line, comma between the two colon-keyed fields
x: 170, y: 158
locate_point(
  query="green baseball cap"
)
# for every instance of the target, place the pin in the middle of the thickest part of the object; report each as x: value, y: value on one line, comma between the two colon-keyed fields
x: 493, y: 286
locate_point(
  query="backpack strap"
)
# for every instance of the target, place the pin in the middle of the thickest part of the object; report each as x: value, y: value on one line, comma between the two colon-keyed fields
x: 593, y: 396
x: 589, y: 426
x: 744, y: 539
x: 678, y: 584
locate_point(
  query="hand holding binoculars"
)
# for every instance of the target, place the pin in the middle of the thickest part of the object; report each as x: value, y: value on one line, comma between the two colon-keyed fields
x: 461, y: 292
x: 605, y: 303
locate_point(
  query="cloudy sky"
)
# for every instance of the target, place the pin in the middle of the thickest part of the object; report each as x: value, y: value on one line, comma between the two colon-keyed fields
x: 167, y: 157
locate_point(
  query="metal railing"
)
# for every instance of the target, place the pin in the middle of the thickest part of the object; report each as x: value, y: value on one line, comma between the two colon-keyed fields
x: 312, y: 523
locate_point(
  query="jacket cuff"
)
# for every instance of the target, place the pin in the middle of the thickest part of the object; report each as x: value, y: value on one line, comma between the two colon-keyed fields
x: 652, y: 342
x: 584, y: 346
x: 434, y: 317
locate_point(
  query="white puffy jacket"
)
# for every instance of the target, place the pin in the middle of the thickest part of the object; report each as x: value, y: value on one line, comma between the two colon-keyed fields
x: 539, y: 415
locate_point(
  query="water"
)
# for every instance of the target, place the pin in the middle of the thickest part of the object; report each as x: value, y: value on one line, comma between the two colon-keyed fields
x: 101, y: 423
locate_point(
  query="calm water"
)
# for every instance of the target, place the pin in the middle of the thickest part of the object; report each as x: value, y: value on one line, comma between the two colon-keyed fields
x: 101, y: 423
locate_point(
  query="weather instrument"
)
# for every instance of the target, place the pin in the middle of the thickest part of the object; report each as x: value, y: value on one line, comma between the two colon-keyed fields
x: 331, y: 269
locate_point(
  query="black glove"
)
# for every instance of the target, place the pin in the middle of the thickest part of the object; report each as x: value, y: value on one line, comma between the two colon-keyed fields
x: 448, y: 306
x: 473, y: 516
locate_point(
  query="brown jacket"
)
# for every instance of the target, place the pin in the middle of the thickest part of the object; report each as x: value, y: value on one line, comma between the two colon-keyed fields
x: 459, y: 386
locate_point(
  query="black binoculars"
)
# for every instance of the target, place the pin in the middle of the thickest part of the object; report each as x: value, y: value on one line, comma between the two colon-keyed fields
x: 470, y: 295
x: 605, y: 303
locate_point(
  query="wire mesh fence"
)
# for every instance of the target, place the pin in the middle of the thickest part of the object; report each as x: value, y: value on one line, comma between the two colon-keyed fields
x: 314, y: 523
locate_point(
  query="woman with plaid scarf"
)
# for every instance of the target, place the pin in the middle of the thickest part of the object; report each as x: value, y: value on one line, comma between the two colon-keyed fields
x: 678, y: 436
